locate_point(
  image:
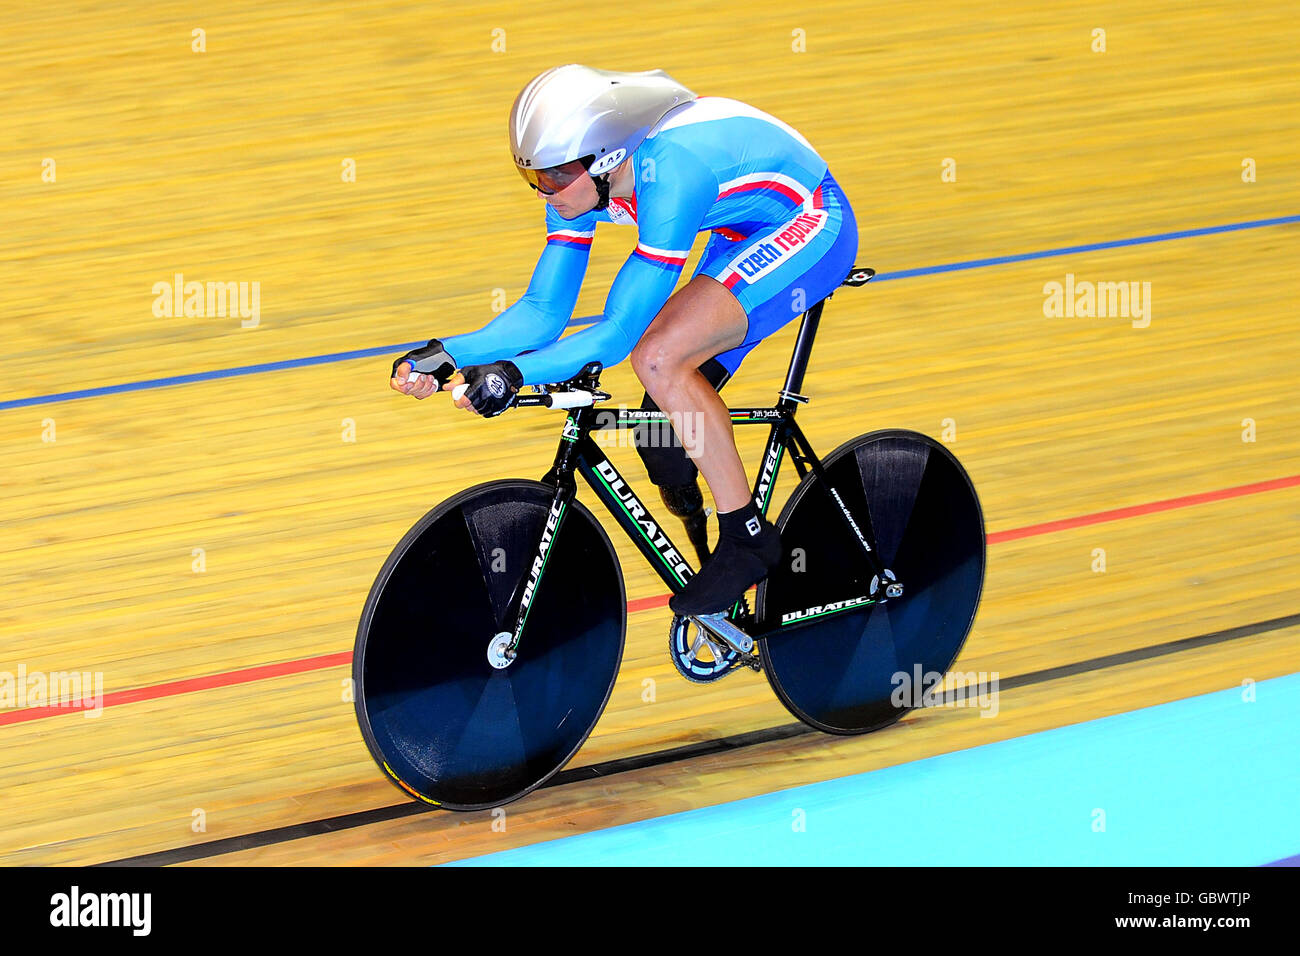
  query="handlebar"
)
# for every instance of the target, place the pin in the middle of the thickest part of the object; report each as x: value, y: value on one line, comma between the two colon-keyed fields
x: 568, y: 398
x: 576, y: 398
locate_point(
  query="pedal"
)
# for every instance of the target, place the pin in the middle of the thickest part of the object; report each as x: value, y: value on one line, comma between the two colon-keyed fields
x: 723, y: 629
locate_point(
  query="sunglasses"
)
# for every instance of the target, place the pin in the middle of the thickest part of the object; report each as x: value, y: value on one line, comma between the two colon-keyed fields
x: 554, y: 179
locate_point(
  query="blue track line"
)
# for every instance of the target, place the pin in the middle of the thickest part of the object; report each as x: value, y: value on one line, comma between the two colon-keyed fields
x: 193, y: 377
x: 1206, y: 781
x: 1088, y: 247
x: 394, y: 350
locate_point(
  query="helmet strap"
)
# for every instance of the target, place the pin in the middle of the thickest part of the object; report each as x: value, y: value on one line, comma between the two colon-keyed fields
x: 602, y: 190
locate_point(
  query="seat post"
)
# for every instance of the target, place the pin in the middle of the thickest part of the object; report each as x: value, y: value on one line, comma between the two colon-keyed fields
x: 803, y: 347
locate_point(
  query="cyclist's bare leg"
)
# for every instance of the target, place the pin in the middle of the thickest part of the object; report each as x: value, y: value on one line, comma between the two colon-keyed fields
x: 699, y: 321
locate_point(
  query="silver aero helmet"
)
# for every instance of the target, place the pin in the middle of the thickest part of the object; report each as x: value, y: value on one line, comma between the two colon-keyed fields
x: 574, y: 120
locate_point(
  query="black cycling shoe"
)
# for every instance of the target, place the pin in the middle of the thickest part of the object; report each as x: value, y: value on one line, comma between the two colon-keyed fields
x: 734, y: 565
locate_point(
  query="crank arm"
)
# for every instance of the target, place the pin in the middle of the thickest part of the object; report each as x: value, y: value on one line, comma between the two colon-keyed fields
x: 727, y: 632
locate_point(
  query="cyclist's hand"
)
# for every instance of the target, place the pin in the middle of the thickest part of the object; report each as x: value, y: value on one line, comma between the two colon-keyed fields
x: 422, y: 371
x: 492, y: 388
x: 415, y: 384
x: 457, y: 379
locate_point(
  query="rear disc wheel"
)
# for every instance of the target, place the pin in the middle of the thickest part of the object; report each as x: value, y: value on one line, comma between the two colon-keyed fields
x: 855, y: 667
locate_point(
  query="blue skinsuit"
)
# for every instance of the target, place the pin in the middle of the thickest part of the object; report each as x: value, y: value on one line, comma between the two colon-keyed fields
x: 783, y: 238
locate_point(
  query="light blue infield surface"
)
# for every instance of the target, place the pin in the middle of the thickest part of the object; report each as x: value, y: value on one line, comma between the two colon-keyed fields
x: 1208, y: 781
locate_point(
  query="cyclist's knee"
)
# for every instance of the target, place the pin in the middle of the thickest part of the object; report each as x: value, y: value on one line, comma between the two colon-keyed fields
x: 664, y: 355
x: 653, y: 359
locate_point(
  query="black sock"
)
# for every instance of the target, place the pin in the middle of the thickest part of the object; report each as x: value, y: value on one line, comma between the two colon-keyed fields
x: 749, y: 546
x: 741, y: 525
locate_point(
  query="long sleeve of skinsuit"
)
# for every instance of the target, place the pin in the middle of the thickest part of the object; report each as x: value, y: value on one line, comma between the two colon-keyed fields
x: 672, y: 208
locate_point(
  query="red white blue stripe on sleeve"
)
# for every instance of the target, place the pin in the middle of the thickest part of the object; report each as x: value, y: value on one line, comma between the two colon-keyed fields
x: 571, y: 237
x: 663, y: 258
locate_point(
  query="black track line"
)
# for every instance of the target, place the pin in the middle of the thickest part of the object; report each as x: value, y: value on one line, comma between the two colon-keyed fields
x: 347, y: 821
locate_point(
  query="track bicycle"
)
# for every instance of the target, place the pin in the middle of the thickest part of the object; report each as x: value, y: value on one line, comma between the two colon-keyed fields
x: 491, y: 639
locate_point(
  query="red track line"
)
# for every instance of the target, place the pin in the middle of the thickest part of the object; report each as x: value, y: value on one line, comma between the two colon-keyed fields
x: 190, y: 684
x: 1134, y: 510
x: 267, y: 671
x: 645, y: 604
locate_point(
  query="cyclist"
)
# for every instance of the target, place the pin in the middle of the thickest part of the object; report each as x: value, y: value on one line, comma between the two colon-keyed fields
x: 641, y: 149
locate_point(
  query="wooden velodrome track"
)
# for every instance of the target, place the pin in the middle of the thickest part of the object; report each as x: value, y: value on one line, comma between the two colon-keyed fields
x: 225, y: 166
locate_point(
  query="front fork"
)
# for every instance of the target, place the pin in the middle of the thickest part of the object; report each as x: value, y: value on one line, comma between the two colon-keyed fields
x: 504, y: 646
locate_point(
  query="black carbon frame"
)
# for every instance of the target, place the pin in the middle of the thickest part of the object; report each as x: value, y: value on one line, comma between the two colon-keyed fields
x: 577, y: 451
